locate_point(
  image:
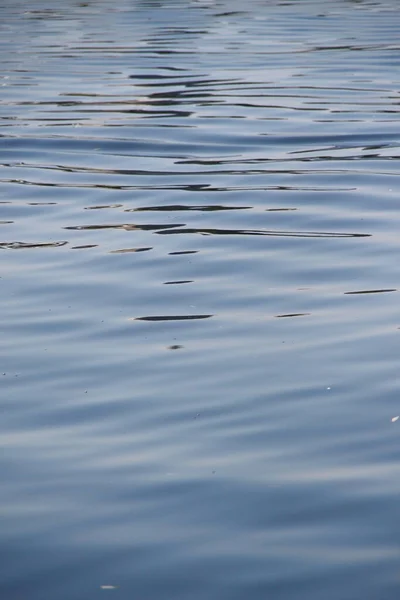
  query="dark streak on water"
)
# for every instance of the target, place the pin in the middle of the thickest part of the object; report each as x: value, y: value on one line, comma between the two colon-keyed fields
x: 204, y: 231
x: 177, y: 282
x: 173, y: 318
x: 24, y: 245
x: 371, y: 292
x: 292, y: 315
x: 262, y: 459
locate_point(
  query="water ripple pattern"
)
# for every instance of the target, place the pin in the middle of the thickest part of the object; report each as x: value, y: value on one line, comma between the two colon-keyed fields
x: 199, y: 242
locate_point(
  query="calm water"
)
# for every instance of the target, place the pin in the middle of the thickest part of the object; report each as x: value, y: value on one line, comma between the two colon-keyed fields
x: 200, y: 278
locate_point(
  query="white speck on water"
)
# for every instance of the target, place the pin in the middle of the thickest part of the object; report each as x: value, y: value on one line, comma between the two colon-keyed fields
x: 108, y: 587
x: 394, y: 419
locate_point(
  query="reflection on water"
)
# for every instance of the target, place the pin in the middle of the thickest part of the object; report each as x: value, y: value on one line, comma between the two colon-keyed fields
x: 260, y: 459
x: 173, y: 318
x: 313, y: 234
x: 292, y: 315
x: 19, y: 245
x: 371, y: 291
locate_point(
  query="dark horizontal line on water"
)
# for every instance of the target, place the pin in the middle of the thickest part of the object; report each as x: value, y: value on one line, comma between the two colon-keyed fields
x: 164, y: 48
x: 203, y: 187
x: 270, y: 161
x: 234, y: 172
x: 41, y: 203
x: 292, y: 315
x: 172, y: 318
x: 186, y: 207
x: 178, y: 282
x: 261, y: 232
x: 171, y: 173
x: 279, y: 209
x: 180, y: 228
x: 349, y: 140
x: 241, y: 165
x: 103, y: 206
x: 154, y: 76
x: 179, y: 252
x: 127, y: 250
x: 125, y: 226
x: 243, y: 85
x: 230, y: 14
x: 26, y: 245
x: 371, y: 291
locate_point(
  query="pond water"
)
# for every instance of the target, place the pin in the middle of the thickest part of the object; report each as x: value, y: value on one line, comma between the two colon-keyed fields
x: 200, y: 333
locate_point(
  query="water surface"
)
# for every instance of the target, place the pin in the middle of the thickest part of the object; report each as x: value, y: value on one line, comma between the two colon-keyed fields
x: 200, y: 299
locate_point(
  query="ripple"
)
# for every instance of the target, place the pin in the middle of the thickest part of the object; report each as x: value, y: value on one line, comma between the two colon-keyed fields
x: 27, y: 245
x: 124, y: 226
x: 298, y: 234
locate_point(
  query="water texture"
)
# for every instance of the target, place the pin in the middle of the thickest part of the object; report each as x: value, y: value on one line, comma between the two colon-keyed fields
x: 200, y: 333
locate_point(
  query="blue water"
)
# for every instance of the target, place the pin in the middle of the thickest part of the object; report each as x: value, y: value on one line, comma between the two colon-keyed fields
x: 200, y: 332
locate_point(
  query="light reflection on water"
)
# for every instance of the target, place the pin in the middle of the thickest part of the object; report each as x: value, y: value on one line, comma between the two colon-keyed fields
x: 227, y: 178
